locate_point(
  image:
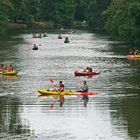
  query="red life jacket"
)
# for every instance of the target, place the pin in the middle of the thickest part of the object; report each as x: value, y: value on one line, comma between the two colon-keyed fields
x: 10, y: 68
x: 2, y: 68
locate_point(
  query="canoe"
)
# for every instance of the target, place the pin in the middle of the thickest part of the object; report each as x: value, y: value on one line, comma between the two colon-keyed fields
x: 133, y: 56
x: 9, y: 73
x: 77, y: 73
x: 46, y: 92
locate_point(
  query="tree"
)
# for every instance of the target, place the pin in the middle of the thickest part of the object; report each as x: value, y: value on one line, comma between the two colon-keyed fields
x: 122, y: 19
x: 80, y: 9
x: 60, y: 12
x: 94, y: 12
x: 4, y: 6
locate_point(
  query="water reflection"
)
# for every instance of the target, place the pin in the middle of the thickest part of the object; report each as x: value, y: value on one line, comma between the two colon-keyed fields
x: 127, y: 115
x: 110, y: 115
x: 10, y: 118
x: 8, y: 77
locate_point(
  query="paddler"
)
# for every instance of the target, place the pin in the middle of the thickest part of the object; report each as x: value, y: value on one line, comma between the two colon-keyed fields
x: 10, y: 68
x: 84, y: 88
x: 88, y: 69
x: 2, y: 67
x: 60, y: 88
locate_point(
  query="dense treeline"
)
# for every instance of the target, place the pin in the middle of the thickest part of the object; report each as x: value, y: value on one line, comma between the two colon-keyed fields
x: 5, y: 5
x: 119, y: 18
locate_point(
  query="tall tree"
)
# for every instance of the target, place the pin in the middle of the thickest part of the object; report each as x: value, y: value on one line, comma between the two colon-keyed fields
x: 122, y: 19
x: 81, y: 6
x: 61, y: 12
x: 94, y: 13
x: 4, y: 6
x: 20, y: 10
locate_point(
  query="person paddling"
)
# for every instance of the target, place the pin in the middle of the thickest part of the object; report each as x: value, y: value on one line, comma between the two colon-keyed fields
x: 84, y: 88
x: 136, y: 52
x: 59, y: 36
x: 35, y: 47
x: 66, y: 40
x: 88, y: 69
x: 10, y: 68
x: 131, y: 52
x: 60, y: 88
x: 2, y: 67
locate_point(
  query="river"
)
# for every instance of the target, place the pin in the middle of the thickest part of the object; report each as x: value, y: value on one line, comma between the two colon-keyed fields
x: 112, y: 114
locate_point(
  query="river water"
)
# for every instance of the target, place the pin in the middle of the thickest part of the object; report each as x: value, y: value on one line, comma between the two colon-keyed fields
x: 112, y: 114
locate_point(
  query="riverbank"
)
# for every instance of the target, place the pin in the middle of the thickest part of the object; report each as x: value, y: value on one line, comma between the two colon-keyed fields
x: 45, y: 25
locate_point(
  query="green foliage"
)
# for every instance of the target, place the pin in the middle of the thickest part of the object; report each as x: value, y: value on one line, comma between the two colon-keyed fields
x: 122, y: 19
x: 61, y: 12
x: 94, y: 13
x: 80, y: 9
x: 30, y: 21
x: 4, y: 6
x: 3, y: 21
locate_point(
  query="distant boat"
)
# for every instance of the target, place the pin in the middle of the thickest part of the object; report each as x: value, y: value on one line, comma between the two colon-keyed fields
x: 59, y: 37
x: 35, y: 48
x: 66, y: 40
x: 34, y: 36
x: 133, y: 56
x: 45, y: 35
x: 78, y: 73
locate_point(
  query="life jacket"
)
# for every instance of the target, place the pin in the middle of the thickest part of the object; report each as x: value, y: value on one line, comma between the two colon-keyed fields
x: 10, y: 68
x: 2, y: 68
x: 85, y: 88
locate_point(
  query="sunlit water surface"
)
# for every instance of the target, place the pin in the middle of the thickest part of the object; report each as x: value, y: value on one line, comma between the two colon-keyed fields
x: 112, y: 114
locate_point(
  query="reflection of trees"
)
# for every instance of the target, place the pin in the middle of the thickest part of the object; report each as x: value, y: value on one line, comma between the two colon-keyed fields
x: 128, y: 115
x: 10, y: 121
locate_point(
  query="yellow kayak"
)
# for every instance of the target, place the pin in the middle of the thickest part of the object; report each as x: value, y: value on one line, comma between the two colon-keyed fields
x: 47, y: 92
x: 9, y: 73
x: 133, y: 56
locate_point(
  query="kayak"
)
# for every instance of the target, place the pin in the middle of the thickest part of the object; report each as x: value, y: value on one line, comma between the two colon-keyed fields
x: 9, y: 73
x: 77, y: 73
x: 66, y: 41
x: 47, y: 92
x: 35, y: 48
x: 60, y: 37
x: 133, y: 56
x: 34, y: 37
x: 86, y: 93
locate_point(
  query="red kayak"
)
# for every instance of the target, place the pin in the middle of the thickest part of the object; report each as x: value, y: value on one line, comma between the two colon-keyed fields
x: 86, y: 93
x: 77, y: 73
